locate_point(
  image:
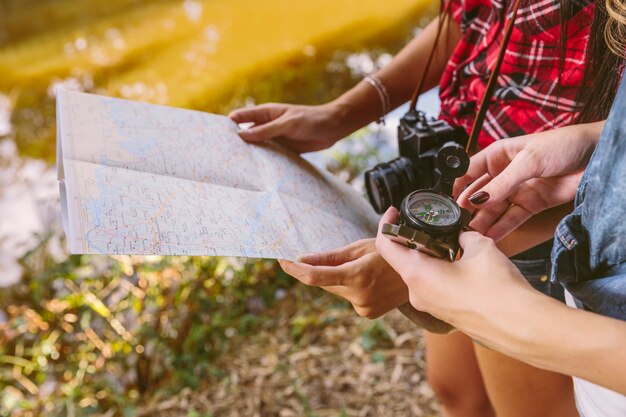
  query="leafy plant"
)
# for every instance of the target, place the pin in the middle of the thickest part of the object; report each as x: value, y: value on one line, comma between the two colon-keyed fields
x: 95, y: 333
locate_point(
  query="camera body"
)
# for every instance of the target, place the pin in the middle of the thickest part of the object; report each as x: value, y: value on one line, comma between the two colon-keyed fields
x: 420, y: 141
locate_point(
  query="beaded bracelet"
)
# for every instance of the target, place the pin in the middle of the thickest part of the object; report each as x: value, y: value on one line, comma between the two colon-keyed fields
x: 382, y: 93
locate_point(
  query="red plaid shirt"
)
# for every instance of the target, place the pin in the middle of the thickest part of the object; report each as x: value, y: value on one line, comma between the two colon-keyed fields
x: 526, y: 97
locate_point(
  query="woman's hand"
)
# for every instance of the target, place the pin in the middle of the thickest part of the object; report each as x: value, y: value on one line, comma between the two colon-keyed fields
x: 312, y: 128
x: 485, y: 296
x: 300, y: 128
x: 471, y: 293
x: 514, y: 179
x: 355, y: 272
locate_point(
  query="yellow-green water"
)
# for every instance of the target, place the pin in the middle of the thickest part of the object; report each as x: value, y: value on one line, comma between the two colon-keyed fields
x: 204, y: 54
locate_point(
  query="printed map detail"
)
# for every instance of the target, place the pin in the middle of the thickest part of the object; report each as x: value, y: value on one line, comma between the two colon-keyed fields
x: 139, y: 178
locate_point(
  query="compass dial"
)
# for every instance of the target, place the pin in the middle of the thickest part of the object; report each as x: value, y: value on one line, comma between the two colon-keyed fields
x: 433, y: 209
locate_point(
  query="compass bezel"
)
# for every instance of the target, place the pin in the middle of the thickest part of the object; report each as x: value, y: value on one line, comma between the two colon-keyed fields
x: 410, y: 220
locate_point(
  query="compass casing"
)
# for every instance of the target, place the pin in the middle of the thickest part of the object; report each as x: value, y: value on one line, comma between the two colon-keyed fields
x: 438, y: 240
x: 409, y: 218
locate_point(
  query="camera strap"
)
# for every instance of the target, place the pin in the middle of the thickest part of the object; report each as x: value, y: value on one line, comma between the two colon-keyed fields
x: 444, y: 15
x: 491, y: 83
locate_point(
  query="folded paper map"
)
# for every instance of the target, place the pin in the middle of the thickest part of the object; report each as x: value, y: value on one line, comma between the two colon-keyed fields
x: 139, y: 178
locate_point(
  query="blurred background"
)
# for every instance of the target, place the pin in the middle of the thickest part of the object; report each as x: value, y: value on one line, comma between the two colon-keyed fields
x: 188, y: 336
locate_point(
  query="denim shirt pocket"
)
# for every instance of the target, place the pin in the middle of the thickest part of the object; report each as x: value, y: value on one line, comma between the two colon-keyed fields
x: 570, y: 253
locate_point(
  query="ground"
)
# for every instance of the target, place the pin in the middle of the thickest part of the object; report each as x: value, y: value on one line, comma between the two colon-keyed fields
x: 327, y: 362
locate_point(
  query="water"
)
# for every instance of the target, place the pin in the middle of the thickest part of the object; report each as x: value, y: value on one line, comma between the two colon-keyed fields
x: 209, y: 55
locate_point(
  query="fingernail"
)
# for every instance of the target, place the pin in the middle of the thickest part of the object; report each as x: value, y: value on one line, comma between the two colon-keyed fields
x: 479, y: 197
x: 245, y: 126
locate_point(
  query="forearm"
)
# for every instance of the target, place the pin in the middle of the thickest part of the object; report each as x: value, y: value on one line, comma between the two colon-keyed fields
x: 541, y: 331
x: 403, y: 74
x: 362, y: 105
x: 592, y: 131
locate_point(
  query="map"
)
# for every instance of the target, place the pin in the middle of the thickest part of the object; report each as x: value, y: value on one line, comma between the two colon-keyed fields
x: 139, y: 178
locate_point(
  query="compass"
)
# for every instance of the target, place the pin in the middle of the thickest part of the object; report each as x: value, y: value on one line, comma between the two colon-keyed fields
x: 430, y: 220
x: 430, y: 210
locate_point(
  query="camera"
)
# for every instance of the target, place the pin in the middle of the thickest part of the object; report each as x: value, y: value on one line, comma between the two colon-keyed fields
x: 420, y: 141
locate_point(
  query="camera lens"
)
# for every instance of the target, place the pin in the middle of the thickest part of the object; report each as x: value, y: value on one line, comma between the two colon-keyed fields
x: 387, y: 183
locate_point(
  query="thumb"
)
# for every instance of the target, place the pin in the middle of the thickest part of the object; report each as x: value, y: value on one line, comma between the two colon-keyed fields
x: 471, y: 242
x: 264, y: 132
x: 340, y: 256
x: 390, y: 216
x: 504, y: 184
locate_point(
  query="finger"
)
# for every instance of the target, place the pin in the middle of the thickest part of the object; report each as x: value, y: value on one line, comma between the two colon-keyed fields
x: 473, y: 242
x: 491, y: 160
x: 477, y: 168
x: 533, y: 197
x: 264, y: 132
x: 390, y: 216
x: 316, y: 276
x: 540, y: 194
x: 382, y: 241
x: 339, y: 256
x: 501, y: 219
x: 471, y: 189
x: 402, y: 259
x: 513, y: 218
x: 484, y: 218
x: 521, y: 169
x: 258, y: 115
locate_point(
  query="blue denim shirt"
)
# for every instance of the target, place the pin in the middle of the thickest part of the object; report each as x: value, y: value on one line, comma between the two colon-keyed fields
x: 589, y: 253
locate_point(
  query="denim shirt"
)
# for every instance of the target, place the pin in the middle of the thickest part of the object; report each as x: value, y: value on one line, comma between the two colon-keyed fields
x: 589, y: 252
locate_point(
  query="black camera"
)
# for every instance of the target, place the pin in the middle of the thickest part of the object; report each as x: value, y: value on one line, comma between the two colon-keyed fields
x: 419, y: 141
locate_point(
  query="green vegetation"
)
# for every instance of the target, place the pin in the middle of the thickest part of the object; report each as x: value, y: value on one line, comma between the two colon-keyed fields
x: 96, y: 335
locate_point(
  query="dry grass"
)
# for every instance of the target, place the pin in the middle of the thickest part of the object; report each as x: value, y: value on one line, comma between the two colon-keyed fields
x: 325, y: 362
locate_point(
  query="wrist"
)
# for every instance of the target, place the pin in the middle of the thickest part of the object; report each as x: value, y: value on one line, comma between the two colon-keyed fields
x: 341, y: 111
x: 337, y: 120
x: 502, y: 319
x: 358, y: 107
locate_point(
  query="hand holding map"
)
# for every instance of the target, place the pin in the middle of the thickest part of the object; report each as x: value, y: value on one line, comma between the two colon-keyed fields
x: 139, y: 178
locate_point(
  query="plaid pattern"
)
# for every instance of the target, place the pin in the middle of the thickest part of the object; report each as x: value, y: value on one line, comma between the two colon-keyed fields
x: 526, y: 98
